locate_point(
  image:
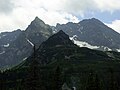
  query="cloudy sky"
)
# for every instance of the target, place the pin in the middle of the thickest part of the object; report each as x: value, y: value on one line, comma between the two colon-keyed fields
x: 17, y: 14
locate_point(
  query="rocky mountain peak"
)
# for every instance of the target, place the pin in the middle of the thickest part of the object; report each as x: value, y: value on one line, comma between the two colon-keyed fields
x: 61, y: 33
x: 37, y: 22
x: 58, y: 39
x: 91, y: 21
x: 38, y: 27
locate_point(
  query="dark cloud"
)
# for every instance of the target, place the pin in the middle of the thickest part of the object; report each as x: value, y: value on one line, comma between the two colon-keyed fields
x: 6, y: 6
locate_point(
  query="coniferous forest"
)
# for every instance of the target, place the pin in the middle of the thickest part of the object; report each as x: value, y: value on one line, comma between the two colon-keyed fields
x: 36, y: 77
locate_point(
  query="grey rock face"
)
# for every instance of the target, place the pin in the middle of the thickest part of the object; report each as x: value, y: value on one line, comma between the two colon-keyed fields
x: 93, y: 32
x: 20, y: 47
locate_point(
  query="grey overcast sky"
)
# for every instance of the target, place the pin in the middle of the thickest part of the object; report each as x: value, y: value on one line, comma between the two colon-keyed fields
x: 17, y: 14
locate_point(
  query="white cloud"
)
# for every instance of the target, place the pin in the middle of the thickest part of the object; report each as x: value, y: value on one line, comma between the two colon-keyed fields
x: 108, y: 5
x: 27, y: 10
x: 50, y: 11
x: 115, y: 25
x: 6, y: 6
x: 79, y: 6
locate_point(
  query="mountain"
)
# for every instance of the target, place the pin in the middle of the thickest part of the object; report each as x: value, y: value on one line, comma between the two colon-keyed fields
x: 76, y: 65
x: 59, y: 59
x: 8, y: 37
x: 21, y: 47
x: 59, y: 47
x: 49, y: 49
x: 38, y: 31
x: 93, y: 32
x: 16, y: 46
x: 59, y: 50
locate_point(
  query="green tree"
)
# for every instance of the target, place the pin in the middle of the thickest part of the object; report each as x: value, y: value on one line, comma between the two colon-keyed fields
x: 33, y: 80
x: 2, y: 81
x: 90, y: 82
x: 57, y: 79
x: 97, y: 83
x: 93, y: 82
x: 113, y: 82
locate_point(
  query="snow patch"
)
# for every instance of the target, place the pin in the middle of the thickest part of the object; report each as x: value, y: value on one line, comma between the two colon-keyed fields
x: 81, y: 43
x: 2, y: 52
x: 54, y: 31
x: 118, y: 50
x: 7, y: 45
x: 73, y: 38
x: 30, y: 42
x: 85, y: 44
x: 24, y: 58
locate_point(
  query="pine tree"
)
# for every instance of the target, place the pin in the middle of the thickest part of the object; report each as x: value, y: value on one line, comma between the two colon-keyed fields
x: 113, y: 82
x: 90, y: 82
x: 57, y: 79
x: 93, y: 82
x: 33, y: 80
x: 1, y: 81
x: 97, y: 83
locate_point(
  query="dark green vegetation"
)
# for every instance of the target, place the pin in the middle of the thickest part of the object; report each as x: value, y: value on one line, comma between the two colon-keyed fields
x: 58, y: 61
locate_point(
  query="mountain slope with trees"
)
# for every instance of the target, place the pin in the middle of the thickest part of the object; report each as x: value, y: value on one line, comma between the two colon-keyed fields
x: 58, y: 62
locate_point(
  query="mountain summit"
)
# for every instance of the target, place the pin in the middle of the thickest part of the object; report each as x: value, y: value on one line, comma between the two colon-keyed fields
x: 38, y: 26
x: 37, y: 22
x: 58, y: 39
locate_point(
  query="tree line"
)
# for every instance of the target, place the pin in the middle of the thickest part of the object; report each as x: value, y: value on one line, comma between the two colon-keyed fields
x: 34, y: 80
